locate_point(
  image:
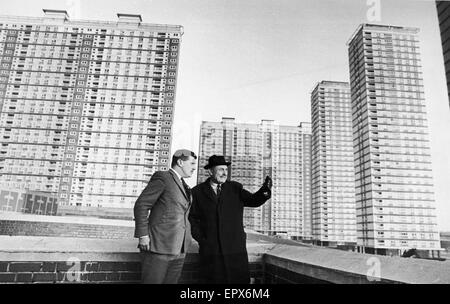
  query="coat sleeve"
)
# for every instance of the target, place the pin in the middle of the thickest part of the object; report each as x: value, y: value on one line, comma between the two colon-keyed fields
x: 145, y: 203
x: 194, y: 219
x: 256, y: 199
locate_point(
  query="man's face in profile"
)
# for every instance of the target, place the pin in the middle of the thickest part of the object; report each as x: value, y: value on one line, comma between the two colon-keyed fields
x: 188, y: 166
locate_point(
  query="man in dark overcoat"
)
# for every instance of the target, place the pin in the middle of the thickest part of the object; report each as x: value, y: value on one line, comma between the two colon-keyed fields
x: 217, y: 224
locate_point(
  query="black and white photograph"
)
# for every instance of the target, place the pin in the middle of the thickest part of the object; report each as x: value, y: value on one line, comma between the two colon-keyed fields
x: 224, y: 146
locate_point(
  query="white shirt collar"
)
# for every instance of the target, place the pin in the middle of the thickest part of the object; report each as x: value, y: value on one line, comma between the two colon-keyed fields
x: 176, y: 173
x: 214, y: 185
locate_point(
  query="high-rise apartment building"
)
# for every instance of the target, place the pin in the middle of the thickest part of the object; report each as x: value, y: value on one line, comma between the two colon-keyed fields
x: 394, y: 180
x: 86, y: 106
x: 306, y: 174
x: 257, y: 150
x: 333, y: 171
x: 443, y: 11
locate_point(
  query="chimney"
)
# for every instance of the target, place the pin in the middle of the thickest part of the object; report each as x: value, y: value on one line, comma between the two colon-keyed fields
x: 129, y: 19
x: 56, y: 15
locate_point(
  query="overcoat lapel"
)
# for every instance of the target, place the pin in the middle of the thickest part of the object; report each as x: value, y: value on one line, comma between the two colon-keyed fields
x: 208, y: 191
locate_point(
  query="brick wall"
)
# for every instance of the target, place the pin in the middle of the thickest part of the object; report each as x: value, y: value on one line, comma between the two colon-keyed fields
x: 94, y: 272
x: 62, y: 272
x: 32, y: 228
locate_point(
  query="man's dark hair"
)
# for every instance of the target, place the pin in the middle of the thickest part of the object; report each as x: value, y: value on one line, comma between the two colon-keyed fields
x: 183, y: 155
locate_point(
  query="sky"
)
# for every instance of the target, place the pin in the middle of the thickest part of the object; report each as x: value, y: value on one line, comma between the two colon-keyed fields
x: 260, y: 59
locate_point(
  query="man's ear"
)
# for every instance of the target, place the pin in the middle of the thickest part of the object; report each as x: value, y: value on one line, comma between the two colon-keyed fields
x: 180, y: 162
x: 211, y: 172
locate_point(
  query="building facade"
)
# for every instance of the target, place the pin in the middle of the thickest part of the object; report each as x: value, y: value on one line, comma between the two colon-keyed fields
x: 306, y: 173
x: 257, y: 150
x: 443, y: 11
x: 333, y: 173
x: 394, y: 180
x: 86, y: 107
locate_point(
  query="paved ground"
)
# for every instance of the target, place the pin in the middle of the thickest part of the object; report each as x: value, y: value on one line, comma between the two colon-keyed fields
x: 62, y: 244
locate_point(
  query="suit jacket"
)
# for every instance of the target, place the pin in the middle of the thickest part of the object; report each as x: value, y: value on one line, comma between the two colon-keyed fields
x: 167, y: 225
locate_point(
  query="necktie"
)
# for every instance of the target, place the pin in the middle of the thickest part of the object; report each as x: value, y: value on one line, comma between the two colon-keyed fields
x: 186, y: 189
x: 219, y: 189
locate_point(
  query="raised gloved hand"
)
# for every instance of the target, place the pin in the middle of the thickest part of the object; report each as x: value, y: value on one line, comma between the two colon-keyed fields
x: 267, y: 186
x: 268, y: 182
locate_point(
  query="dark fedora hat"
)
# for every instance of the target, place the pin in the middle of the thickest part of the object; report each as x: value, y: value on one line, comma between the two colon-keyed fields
x: 216, y: 160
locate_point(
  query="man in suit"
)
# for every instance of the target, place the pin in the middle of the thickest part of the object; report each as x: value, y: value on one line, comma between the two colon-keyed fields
x: 164, y: 235
x: 217, y: 223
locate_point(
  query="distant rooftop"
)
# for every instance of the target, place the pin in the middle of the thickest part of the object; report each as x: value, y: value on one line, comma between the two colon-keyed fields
x: 264, y: 122
x: 332, y: 84
x: 58, y: 17
x: 382, y: 27
x: 385, y: 27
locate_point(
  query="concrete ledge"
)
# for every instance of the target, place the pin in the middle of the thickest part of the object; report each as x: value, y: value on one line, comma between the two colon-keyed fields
x: 337, y: 266
x: 68, y: 256
x: 63, y: 244
x: 15, y: 216
x: 64, y: 226
x: 55, y: 245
